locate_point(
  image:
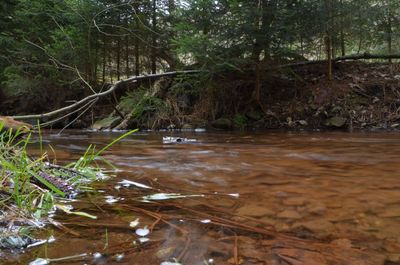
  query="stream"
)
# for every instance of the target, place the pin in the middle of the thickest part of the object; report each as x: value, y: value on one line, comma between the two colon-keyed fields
x: 340, y: 191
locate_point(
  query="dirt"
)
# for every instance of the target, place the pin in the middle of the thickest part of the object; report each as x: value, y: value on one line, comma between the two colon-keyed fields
x: 360, y: 96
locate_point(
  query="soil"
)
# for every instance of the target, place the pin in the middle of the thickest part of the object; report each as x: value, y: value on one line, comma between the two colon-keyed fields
x: 360, y: 96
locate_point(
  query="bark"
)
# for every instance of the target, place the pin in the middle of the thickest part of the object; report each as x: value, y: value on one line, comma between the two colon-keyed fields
x: 119, y: 58
x: 364, y: 56
x: 153, y: 41
x: 127, y: 73
x: 104, y: 59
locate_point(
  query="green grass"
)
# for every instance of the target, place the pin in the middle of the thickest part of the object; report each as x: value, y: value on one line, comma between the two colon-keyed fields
x: 30, y: 187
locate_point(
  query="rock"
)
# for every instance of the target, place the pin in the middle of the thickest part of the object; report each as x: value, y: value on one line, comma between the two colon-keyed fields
x: 222, y: 124
x: 303, y: 122
x: 392, y: 246
x: 254, y: 210
x: 254, y: 115
x: 342, y: 242
x: 10, y: 123
x: 289, y: 214
x: 390, y: 213
x: 187, y: 126
x: 294, y: 201
x: 336, y: 121
x: 318, y: 209
x: 106, y: 123
x: 318, y: 226
x: 282, y: 227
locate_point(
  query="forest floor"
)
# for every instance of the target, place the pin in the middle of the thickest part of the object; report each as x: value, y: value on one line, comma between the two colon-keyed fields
x: 361, y: 95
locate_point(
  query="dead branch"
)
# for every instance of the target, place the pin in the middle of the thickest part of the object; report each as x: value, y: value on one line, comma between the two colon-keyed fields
x: 102, y: 94
x: 364, y: 56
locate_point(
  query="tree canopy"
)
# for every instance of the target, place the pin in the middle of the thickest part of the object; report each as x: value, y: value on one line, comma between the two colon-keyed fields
x: 80, y: 45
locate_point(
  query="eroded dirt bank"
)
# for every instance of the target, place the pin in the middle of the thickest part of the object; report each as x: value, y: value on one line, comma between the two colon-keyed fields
x: 360, y: 96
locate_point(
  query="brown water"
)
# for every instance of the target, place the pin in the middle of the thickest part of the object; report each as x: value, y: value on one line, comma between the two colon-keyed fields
x: 334, y: 192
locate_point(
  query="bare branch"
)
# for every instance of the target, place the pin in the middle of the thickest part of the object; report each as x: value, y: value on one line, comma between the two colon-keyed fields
x: 102, y: 94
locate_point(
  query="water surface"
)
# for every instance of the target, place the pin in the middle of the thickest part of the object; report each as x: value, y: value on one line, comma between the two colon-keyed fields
x: 322, y: 187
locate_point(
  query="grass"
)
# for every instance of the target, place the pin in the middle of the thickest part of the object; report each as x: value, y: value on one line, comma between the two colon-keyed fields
x: 30, y: 187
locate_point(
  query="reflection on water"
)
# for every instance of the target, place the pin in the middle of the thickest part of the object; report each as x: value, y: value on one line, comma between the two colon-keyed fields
x: 328, y: 187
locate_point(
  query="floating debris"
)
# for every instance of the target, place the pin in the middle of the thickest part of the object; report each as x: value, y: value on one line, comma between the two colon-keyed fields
x: 206, y: 221
x: 168, y: 196
x: 134, y: 223
x: 67, y: 209
x: 111, y: 199
x: 40, y: 261
x: 170, y: 263
x: 142, y: 231
x: 97, y: 255
x: 128, y: 183
x: 236, y: 195
x: 51, y: 239
x: 119, y: 257
x: 143, y: 240
x: 179, y: 140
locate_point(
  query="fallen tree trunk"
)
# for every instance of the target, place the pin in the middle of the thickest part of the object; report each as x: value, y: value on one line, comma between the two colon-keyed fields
x: 364, y: 56
x: 101, y: 94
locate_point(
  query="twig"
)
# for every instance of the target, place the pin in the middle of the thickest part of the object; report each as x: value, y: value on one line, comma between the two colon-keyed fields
x: 102, y: 94
x: 77, y: 117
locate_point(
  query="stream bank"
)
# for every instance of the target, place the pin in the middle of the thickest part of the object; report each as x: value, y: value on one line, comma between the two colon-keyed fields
x: 362, y: 96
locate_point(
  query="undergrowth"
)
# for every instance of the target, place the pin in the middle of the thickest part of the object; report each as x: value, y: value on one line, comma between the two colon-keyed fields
x: 31, y: 187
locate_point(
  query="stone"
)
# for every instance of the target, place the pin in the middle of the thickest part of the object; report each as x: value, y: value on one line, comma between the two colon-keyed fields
x: 392, y: 212
x: 303, y: 122
x: 392, y: 246
x: 10, y: 123
x: 222, y: 124
x: 318, y: 209
x: 318, y: 226
x: 335, y: 121
x: 254, y: 115
x: 342, y: 242
x: 254, y: 210
x: 294, y: 201
x: 106, y: 123
x: 289, y: 214
x: 187, y: 126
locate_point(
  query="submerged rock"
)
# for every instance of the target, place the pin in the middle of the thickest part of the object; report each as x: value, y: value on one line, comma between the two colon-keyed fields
x: 335, y: 121
x: 289, y: 214
x: 222, y: 124
x: 254, y: 210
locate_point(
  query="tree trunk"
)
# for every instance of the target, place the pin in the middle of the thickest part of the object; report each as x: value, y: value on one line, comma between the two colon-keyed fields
x: 154, y: 41
x: 96, y: 59
x: 104, y: 59
x: 329, y: 37
x: 118, y: 58
x: 389, y: 35
x: 127, y: 73
x: 342, y: 43
x: 137, y: 61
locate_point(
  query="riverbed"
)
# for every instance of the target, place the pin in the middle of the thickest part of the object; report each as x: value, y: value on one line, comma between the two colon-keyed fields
x: 224, y: 198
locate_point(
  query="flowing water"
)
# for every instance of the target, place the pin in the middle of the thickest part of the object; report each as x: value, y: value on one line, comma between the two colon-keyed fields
x: 238, y: 192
